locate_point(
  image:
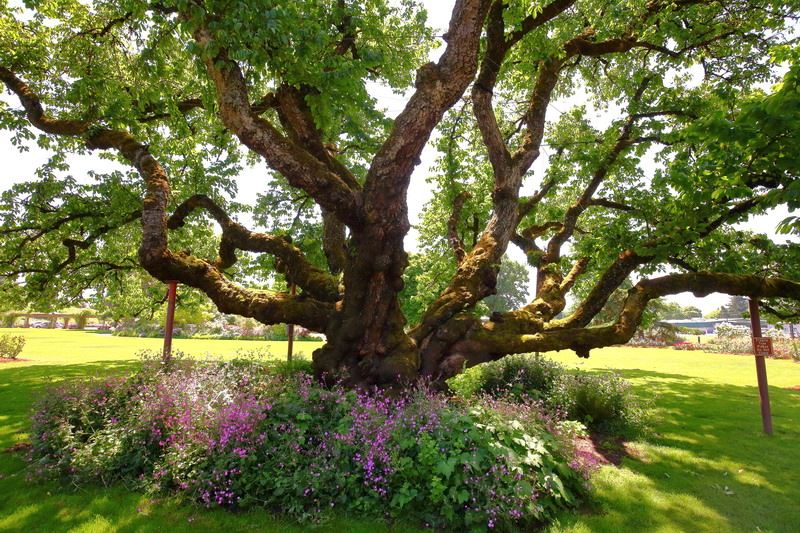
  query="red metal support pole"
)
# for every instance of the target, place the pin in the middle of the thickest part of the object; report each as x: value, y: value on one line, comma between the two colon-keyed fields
x: 172, y: 292
x: 761, y: 369
x: 290, y: 329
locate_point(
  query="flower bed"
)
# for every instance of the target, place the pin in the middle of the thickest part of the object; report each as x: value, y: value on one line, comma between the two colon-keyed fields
x: 240, y: 434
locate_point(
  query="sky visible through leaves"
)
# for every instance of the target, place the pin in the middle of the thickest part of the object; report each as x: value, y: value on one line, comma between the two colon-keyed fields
x: 18, y: 167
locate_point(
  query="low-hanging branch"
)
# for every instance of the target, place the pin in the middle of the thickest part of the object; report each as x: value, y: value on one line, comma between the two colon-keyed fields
x: 498, y: 342
x: 154, y: 254
x: 628, y: 261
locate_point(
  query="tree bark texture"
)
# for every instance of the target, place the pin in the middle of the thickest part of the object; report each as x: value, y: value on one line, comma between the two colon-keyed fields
x: 355, y: 301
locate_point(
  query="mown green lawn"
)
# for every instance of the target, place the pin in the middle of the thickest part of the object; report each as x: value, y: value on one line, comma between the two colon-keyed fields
x: 59, y: 347
x: 707, y: 467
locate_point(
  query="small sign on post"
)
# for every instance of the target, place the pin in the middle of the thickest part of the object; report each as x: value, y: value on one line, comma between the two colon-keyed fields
x: 762, y: 346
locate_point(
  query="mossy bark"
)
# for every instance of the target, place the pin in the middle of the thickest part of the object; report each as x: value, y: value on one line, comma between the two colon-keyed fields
x: 367, y: 343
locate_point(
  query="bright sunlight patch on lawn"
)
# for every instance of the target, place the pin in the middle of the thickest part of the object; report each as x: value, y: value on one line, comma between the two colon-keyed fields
x: 51, y: 346
x: 707, y: 467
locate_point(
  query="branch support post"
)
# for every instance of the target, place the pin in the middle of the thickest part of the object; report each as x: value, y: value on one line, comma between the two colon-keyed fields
x: 290, y: 332
x: 761, y: 367
x: 172, y: 292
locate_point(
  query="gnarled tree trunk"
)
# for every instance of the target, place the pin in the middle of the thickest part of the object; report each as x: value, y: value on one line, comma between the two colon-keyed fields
x: 355, y: 302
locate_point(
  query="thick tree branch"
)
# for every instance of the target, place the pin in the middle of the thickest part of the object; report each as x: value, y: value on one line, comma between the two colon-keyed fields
x: 452, y: 226
x: 35, y: 113
x: 537, y: 230
x: 297, y: 120
x: 535, y: 115
x: 292, y: 262
x: 609, y: 281
x: 154, y: 254
x: 584, y: 46
x: 482, y: 89
x: 576, y: 272
x: 298, y: 166
x: 498, y: 342
x: 438, y: 88
x: 334, y: 245
x: 498, y: 46
x: 530, y: 23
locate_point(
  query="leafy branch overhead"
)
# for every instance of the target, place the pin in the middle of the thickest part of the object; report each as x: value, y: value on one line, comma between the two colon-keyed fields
x: 615, y: 143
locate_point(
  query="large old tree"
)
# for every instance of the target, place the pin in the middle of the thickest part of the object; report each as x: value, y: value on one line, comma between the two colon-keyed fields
x: 616, y: 143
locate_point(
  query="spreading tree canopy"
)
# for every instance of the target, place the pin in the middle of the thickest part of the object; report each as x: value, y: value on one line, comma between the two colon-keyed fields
x: 698, y: 128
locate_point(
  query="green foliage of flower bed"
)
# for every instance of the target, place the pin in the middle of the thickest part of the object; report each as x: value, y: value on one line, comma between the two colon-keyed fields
x: 604, y: 402
x: 243, y: 434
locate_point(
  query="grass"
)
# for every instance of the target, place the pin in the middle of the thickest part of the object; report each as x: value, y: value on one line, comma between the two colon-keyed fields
x: 707, y: 467
x: 69, y: 347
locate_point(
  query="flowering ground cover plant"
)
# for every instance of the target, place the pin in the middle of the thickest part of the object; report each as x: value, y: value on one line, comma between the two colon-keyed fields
x: 242, y: 434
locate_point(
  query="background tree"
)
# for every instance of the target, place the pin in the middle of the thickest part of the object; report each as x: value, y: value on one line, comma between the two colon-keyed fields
x: 512, y: 287
x: 737, y: 307
x: 666, y: 310
x: 185, y: 92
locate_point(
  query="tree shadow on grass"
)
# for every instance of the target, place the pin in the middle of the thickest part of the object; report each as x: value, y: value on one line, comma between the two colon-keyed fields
x: 708, y: 466
x: 47, y: 507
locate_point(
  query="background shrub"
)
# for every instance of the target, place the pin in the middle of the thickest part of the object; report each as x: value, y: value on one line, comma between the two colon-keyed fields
x: 514, y: 376
x: 11, y: 346
x: 603, y: 402
x: 733, y: 339
x: 658, y: 335
x: 7, y: 319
